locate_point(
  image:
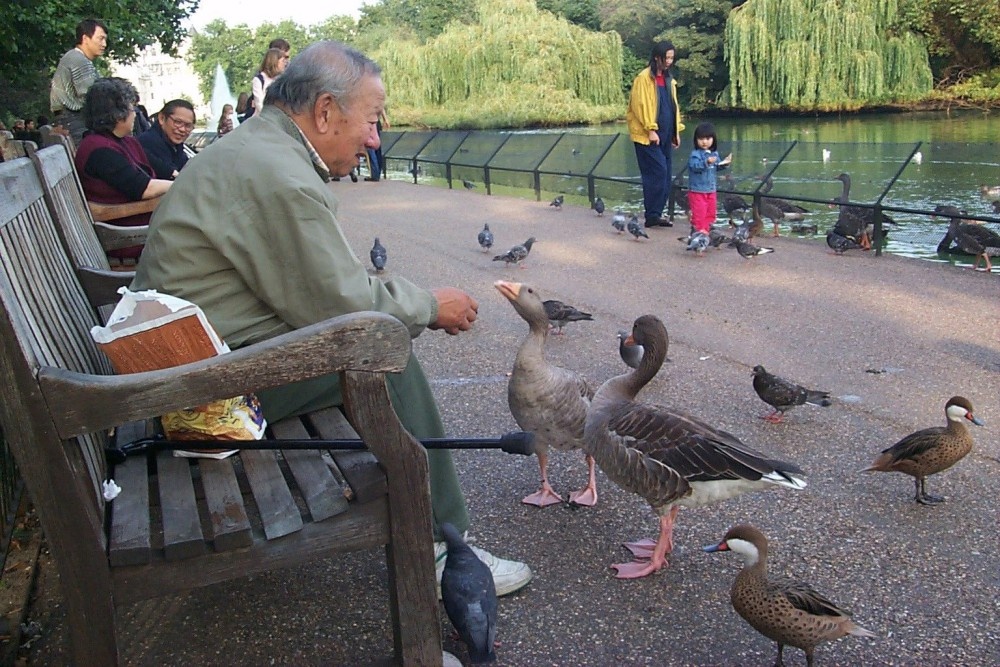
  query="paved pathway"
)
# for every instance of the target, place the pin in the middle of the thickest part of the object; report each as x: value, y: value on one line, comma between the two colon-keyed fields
x: 891, y: 338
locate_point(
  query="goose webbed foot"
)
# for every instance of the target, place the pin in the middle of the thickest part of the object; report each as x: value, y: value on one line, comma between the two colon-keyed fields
x: 586, y: 496
x: 641, y: 549
x: 543, y: 497
x: 637, y: 569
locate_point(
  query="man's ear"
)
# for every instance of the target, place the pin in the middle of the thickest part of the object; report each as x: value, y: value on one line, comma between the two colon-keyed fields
x: 326, y: 112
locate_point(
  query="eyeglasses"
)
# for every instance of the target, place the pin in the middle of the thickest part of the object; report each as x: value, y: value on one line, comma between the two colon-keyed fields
x: 180, y: 124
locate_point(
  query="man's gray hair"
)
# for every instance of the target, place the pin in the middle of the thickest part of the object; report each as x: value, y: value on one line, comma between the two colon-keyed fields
x: 322, y: 67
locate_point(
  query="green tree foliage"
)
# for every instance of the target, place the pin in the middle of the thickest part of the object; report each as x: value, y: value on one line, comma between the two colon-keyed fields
x: 425, y: 19
x: 696, y: 29
x: 580, y: 12
x: 963, y: 36
x: 639, y: 22
x: 823, y: 55
x: 240, y: 50
x: 514, y: 67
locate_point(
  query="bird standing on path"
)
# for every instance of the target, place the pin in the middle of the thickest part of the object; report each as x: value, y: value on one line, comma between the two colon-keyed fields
x: 557, y: 202
x: 931, y: 450
x: 618, y: 221
x: 748, y: 250
x: 560, y: 314
x: 469, y: 185
x: 635, y: 229
x: 783, y: 610
x: 783, y: 395
x: 378, y: 256
x: 598, y: 206
x: 516, y: 254
x: 841, y: 244
x: 546, y: 400
x: 486, y: 238
x: 698, y: 242
x: 667, y: 457
x: 469, y: 596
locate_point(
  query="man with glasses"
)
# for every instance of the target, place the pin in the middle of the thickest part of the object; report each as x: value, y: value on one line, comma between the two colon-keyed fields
x: 164, y: 142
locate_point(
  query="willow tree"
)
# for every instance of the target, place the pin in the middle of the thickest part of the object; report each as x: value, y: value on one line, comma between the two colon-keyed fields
x: 823, y: 55
x: 514, y: 66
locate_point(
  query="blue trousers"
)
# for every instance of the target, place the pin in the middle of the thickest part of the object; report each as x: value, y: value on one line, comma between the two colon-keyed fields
x: 655, y: 168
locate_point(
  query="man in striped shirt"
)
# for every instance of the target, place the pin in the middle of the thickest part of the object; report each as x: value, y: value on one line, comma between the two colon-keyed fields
x: 74, y: 75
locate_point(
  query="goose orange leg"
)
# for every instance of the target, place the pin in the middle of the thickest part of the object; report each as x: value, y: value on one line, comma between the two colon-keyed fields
x: 545, y: 495
x: 657, y: 557
x: 587, y: 496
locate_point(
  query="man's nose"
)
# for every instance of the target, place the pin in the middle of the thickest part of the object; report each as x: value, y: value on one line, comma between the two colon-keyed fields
x: 374, y: 141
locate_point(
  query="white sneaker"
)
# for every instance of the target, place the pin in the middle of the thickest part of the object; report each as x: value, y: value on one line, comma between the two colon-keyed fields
x: 508, y: 575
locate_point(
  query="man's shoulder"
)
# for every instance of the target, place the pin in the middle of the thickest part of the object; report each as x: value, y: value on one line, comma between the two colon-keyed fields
x: 74, y: 58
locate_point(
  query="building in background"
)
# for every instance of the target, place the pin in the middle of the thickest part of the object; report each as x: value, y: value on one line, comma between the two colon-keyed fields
x: 160, y: 78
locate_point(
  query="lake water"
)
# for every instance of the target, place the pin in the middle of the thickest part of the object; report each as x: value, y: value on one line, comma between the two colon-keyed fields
x: 957, y: 154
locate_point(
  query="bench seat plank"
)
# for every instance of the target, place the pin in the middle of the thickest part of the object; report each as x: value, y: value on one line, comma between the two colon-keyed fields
x: 182, y: 536
x: 278, y: 511
x: 359, y: 468
x: 226, y: 512
x: 129, y: 540
x: 323, y: 494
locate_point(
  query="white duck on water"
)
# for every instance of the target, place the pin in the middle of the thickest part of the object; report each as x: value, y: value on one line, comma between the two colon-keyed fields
x: 546, y: 400
x: 667, y: 457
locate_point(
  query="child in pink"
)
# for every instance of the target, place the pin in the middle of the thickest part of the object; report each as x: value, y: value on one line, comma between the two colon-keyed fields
x: 702, y: 167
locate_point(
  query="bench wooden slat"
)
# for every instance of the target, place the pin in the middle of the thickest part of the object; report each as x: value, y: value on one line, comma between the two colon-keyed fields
x: 359, y: 468
x: 224, y: 500
x: 323, y: 494
x: 278, y: 511
x: 130, y: 541
x: 182, y: 536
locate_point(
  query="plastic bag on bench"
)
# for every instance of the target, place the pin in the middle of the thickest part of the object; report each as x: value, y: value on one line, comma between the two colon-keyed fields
x: 150, y: 331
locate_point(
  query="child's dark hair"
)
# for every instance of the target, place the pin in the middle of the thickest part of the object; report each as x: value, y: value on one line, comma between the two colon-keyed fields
x: 704, y: 131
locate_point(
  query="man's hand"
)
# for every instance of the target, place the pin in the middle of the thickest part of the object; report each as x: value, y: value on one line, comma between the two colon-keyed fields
x: 654, y: 137
x: 456, y: 310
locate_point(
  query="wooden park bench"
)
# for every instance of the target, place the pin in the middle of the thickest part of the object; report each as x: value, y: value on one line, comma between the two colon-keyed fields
x: 180, y: 524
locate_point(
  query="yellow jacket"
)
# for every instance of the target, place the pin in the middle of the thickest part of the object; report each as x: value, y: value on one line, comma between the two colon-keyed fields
x: 642, y: 109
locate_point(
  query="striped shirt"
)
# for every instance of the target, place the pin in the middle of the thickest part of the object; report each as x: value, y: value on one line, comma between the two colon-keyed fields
x: 74, y: 76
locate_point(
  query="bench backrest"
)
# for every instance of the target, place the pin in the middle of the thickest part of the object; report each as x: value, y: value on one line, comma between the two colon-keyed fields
x: 46, y: 321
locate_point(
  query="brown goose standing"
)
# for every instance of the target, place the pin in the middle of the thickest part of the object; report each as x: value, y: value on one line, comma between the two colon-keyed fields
x: 931, y: 450
x: 787, y: 611
x: 791, y: 211
x: 855, y: 222
x: 667, y: 457
x: 976, y: 240
x: 546, y: 400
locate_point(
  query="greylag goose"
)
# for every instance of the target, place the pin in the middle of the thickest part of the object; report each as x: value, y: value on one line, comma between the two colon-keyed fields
x: 931, y: 450
x: 783, y: 610
x: 855, y: 222
x: 667, y: 457
x: 783, y: 395
x: 546, y: 400
x: 560, y: 314
x: 791, y: 211
x: 976, y: 240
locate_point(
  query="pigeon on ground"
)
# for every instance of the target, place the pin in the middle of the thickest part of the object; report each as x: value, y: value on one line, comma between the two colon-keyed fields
x: 748, y: 250
x: 630, y: 354
x: 741, y: 233
x: 378, y: 256
x: 469, y: 185
x: 598, y: 206
x: 560, y: 314
x: 783, y: 395
x: 634, y: 229
x: 517, y: 254
x: 470, y: 597
x: 698, y: 242
x: 841, y: 244
x: 716, y: 238
x: 486, y: 238
x: 557, y: 202
x: 618, y: 221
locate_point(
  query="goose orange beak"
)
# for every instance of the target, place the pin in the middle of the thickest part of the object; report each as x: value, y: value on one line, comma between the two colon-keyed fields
x: 510, y: 291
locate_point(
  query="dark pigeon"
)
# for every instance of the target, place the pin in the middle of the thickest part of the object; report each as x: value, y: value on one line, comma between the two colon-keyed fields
x: 557, y: 202
x: 716, y: 238
x: 517, y: 254
x: 598, y: 206
x: 783, y: 395
x: 749, y: 250
x: 634, y: 229
x: 378, y: 256
x: 469, y: 185
x: 470, y: 597
x: 486, y: 238
x: 560, y: 314
x: 841, y: 244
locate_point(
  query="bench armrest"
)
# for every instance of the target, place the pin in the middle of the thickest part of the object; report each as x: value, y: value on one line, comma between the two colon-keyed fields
x: 106, y: 212
x: 83, y: 403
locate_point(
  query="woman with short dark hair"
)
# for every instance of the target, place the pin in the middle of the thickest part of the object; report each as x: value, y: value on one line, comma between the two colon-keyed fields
x: 112, y: 165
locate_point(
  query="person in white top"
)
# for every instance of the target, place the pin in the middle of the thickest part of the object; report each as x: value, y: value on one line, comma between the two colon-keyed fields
x: 275, y: 61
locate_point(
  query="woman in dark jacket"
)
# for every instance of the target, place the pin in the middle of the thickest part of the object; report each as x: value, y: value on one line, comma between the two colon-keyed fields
x: 112, y: 165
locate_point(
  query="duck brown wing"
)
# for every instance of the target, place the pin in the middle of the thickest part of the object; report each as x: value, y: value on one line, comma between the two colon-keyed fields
x: 915, y: 444
x: 804, y: 598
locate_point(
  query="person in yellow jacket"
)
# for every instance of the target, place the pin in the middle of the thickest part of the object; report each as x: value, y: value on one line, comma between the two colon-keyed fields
x: 654, y: 125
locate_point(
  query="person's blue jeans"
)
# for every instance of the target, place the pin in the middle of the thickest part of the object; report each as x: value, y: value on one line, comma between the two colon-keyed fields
x: 374, y: 166
x: 655, y: 168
